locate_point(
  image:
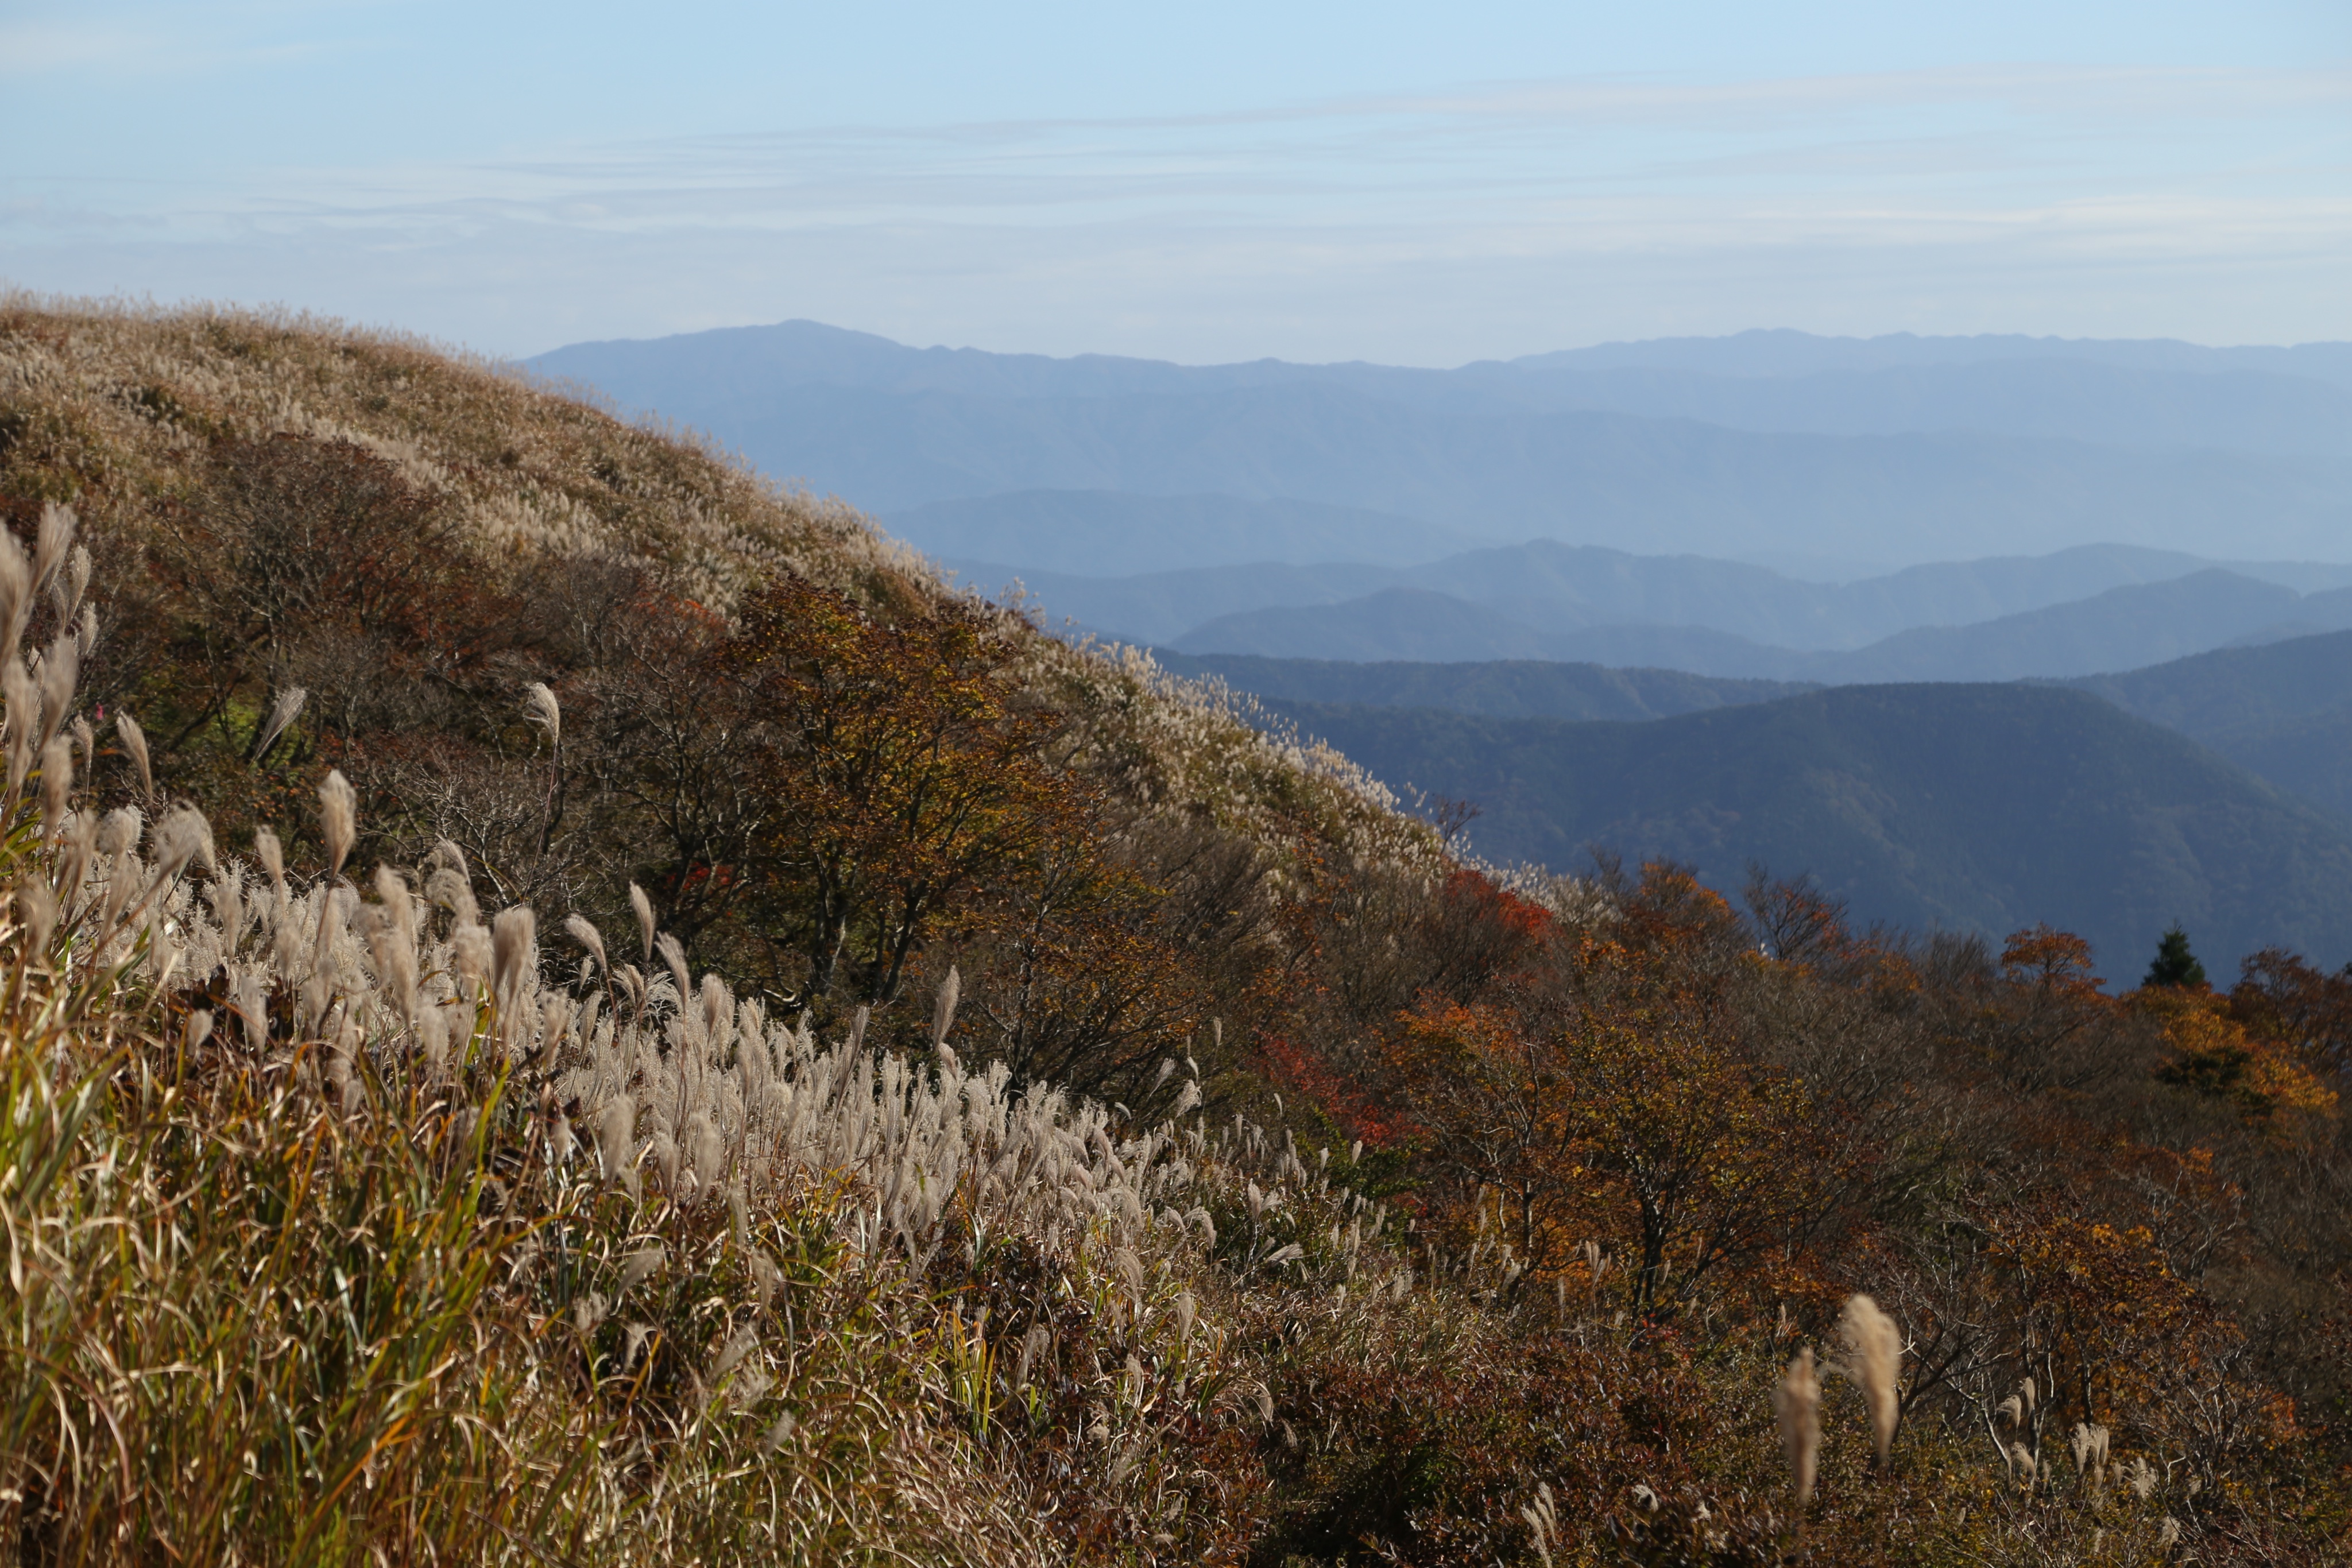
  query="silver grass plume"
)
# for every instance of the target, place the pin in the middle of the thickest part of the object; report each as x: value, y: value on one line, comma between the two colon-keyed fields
x: 943, y: 1007
x: 645, y: 909
x: 765, y: 1278
x: 2020, y: 1465
x: 540, y: 703
x: 77, y: 579
x: 1543, y: 1520
x: 57, y: 784
x: 1797, y: 1406
x: 615, y: 1142
x: 391, y: 929
x: 588, y: 937
x: 284, y: 708
x: 512, y: 933
x: 554, y: 1028
x: 641, y: 1265
x: 60, y: 674
x: 450, y: 885
x: 266, y: 850
x: 673, y: 954
x: 2088, y: 1444
x: 338, y: 819
x: 36, y: 908
x: 53, y: 544
x: 15, y: 594
x: 23, y: 700
x: 1875, y: 1360
x: 73, y: 865
x: 183, y: 836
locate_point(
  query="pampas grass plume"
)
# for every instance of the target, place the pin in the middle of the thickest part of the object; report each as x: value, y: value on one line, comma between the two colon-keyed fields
x: 615, y: 1135
x: 283, y: 710
x: 1875, y: 1359
x: 37, y: 909
x: 544, y: 710
x: 53, y: 544
x: 944, y: 1008
x: 1797, y: 1406
x: 57, y: 783
x: 512, y: 933
x: 338, y: 819
x: 60, y: 673
x: 15, y: 593
x: 645, y: 909
x: 588, y: 937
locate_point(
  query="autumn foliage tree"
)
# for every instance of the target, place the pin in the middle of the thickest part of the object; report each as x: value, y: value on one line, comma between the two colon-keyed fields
x: 906, y: 781
x: 1611, y: 1097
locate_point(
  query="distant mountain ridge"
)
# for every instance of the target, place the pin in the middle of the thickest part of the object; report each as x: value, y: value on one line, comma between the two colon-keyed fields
x: 2123, y: 628
x: 1770, y: 351
x: 1505, y: 689
x: 1549, y: 586
x: 1528, y: 449
x: 1107, y: 534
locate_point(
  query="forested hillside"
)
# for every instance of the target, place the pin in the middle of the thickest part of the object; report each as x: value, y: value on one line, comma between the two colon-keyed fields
x: 2282, y: 710
x: 1970, y: 807
x: 564, y: 1003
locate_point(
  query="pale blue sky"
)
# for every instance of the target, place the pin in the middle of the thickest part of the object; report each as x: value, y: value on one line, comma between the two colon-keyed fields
x: 1415, y: 183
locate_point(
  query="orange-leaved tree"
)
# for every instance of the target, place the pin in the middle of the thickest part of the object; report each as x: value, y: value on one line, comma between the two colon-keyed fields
x: 1617, y: 1102
x: 906, y: 778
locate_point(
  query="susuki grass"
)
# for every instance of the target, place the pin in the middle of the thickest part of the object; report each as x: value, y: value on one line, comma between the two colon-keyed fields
x: 336, y: 1230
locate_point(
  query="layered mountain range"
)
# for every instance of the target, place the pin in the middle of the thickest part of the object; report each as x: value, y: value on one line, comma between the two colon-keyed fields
x: 1769, y: 599
x: 2214, y: 790
x: 1772, y: 446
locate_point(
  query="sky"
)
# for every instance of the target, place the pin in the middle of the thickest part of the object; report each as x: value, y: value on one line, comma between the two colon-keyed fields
x: 1418, y: 184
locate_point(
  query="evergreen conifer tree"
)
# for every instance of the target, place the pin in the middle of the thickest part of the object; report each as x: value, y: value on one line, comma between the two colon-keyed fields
x: 2176, y: 968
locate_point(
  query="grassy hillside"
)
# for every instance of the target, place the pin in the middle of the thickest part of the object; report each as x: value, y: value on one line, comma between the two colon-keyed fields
x: 1976, y: 807
x: 560, y: 1004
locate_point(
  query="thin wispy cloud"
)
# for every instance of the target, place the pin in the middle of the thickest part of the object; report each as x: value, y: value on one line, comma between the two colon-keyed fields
x: 1074, y: 229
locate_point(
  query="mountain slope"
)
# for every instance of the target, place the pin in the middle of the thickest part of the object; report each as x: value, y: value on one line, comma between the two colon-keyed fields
x: 2282, y: 710
x: 1972, y: 806
x: 2123, y: 628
